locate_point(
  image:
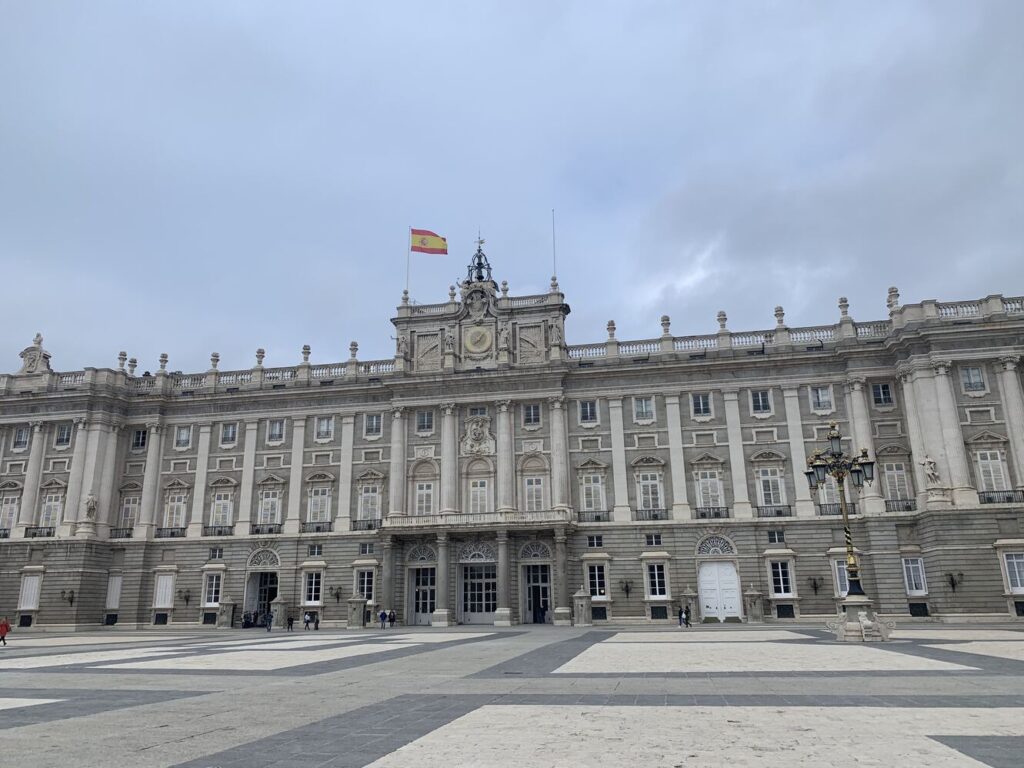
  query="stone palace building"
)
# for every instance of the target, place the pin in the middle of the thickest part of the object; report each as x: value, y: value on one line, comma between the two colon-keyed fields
x: 490, y: 471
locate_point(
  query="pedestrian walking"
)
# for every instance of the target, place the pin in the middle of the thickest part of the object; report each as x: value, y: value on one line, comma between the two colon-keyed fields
x: 316, y: 622
x: 686, y: 617
x: 270, y: 620
x: 682, y: 616
x: 5, y: 627
x: 306, y: 618
x: 391, y: 618
x: 291, y: 623
x: 383, y: 619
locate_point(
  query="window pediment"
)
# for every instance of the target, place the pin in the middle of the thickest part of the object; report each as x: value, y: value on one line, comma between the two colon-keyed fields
x: 592, y: 465
x: 320, y: 477
x: 768, y: 456
x: 54, y: 483
x: 370, y: 476
x: 127, y: 487
x: 271, y: 480
x: 10, y: 485
x: 987, y: 437
x: 892, y: 449
x: 648, y: 461
x: 708, y: 459
x: 223, y: 482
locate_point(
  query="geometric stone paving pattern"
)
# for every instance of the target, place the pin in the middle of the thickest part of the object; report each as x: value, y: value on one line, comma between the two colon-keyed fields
x: 936, y: 696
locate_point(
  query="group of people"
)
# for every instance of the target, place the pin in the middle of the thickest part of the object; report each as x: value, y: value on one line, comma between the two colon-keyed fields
x: 684, y: 616
x: 387, y: 619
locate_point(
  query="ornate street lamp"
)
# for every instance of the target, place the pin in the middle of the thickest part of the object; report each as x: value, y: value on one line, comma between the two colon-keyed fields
x: 860, y: 469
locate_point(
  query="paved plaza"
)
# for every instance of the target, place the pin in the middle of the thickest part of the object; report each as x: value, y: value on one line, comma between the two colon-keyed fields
x: 738, y: 696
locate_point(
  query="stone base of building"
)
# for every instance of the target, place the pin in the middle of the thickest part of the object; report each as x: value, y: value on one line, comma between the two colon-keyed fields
x: 563, y: 617
x: 441, y: 618
x: 503, y: 617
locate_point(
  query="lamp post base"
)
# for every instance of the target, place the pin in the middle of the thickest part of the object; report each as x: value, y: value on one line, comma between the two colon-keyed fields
x: 859, y: 623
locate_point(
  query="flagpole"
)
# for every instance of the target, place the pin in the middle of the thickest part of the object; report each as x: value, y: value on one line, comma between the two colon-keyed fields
x: 554, y: 247
x: 408, y: 257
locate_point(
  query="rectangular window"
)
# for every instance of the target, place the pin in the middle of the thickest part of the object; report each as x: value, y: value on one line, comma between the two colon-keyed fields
x: 881, y: 394
x: 760, y: 402
x: 8, y: 512
x: 588, y: 411
x: 364, y: 585
x: 174, y: 510
x: 477, y: 496
x: 821, y: 398
x: 643, y: 408
x: 701, y: 402
x: 649, y: 490
x: 1015, y: 571
x: 841, y: 579
x: 990, y: 471
x: 592, y: 493
x: 534, y: 494
x: 424, y: 498
x: 897, y: 486
x: 913, y: 576
x: 223, y: 508
x: 53, y: 505
x: 275, y: 431
x: 114, y: 582
x: 319, y: 505
x: 369, y: 502
x: 28, y: 600
x: 709, y: 488
x: 314, y: 580
x: 656, y: 584
x: 315, y: 550
x: 63, y: 438
x: 769, y: 486
x: 324, y: 427
x: 270, y: 506
x: 595, y: 542
x: 228, y: 434
x: 595, y: 579
x: 163, y: 591
x: 781, y: 584
x: 20, y: 441
x: 130, y: 506
x: 531, y: 415
x: 425, y: 421
x: 182, y: 436
x: 973, y: 379
x: 478, y: 410
x: 828, y: 492
x: 211, y: 595
x: 216, y: 553
x: 139, y: 438
x: 366, y: 548
x: 652, y: 539
x: 776, y: 536
x: 372, y: 425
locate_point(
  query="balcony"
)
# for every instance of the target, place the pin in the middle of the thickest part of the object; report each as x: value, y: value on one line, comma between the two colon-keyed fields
x: 1001, y: 497
x: 121, y: 533
x: 366, y: 525
x: 5, y: 533
x: 170, y: 533
x: 39, y: 532
x: 651, y: 514
x: 710, y: 513
x: 264, y: 529
x: 836, y: 509
x: 325, y: 526
x: 481, y: 520
x: 218, y: 530
x: 774, y: 510
x: 900, y: 505
x: 594, y: 517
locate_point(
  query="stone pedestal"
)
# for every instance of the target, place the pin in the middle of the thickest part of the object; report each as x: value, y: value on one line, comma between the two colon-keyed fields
x: 752, y: 599
x: 442, y: 617
x: 563, y: 617
x: 502, y: 617
x: 581, y: 602
x: 279, y: 608
x: 225, y: 613
x: 859, y: 623
x: 85, y: 530
x: 356, y: 613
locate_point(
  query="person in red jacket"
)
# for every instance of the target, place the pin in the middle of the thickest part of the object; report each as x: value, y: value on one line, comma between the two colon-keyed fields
x: 5, y: 627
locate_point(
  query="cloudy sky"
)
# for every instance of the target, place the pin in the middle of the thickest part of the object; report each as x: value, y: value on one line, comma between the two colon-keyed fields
x: 188, y: 177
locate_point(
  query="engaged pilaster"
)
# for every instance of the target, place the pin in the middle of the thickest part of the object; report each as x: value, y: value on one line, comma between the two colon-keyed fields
x: 442, y: 615
x: 680, y: 507
x: 503, y: 614
x: 620, y: 510
x: 150, y: 481
x: 396, y: 481
x: 198, y: 518
x: 506, y: 461
x: 797, y: 450
x: 1013, y: 402
x: 559, y: 454
x: 737, y: 461
x: 964, y: 494
x: 449, y: 459
x: 563, y: 612
x: 870, y: 498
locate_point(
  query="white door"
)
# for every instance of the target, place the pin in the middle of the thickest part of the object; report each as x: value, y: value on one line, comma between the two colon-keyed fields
x: 719, y: 591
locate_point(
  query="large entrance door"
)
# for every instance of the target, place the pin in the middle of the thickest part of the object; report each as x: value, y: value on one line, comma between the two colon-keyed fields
x: 424, y: 594
x: 479, y: 593
x: 719, y: 591
x: 537, y: 586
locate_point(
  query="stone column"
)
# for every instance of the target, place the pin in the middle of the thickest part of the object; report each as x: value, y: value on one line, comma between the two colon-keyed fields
x: 150, y: 482
x: 199, y: 495
x: 870, y: 499
x: 931, y: 429
x: 74, y: 497
x: 28, y: 514
x: 442, y: 615
x: 107, y: 500
x: 917, y: 448
x: 563, y: 613
x: 449, y: 459
x: 506, y: 458
x: 559, y: 454
x: 737, y: 461
x: 293, y: 518
x: 797, y: 451
x: 396, y: 483
x: 503, y: 615
x: 620, y: 509
x: 245, y: 492
x: 1013, y: 405
x: 680, y: 507
x: 964, y: 494
x: 343, y: 517
x: 387, y: 565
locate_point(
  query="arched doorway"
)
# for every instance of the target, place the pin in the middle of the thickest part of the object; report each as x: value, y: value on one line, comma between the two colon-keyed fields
x: 535, y: 582
x: 261, y: 585
x: 478, y: 583
x: 718, y: 583
x: 421, y: 568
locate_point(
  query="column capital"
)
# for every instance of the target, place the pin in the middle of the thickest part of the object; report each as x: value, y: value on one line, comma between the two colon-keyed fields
x: 560, y: 537
x: 155, y: 427
x: 82, y: 422
x: 1009, y: 362
x: 791, y: 390
x: 448, y: 408
x: 397, y: 412
x: 557, y: 402
x: 252, y: 423
x: 442, y: 539
x: 503, y: 406
x: 205, y: 426
x: 672, y: 399
x: 856, y: 383
x: 348, y: 418
x: 904, y: 372
x: 501, y: 536
x: 941, y: 367
x: 37, y: 426
x: 299, y: 421
x: 731, y: 395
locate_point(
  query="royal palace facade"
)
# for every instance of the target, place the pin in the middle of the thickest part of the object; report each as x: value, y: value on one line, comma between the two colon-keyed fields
x: 489, y: 472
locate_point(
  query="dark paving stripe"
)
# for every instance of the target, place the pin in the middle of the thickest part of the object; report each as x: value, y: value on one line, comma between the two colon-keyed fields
x: 996, y: 751
x: 79, y: 703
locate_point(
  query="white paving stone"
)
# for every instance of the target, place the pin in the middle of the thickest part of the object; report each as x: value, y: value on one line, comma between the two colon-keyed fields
x: 744, y: 657
x: 17, y: 641
x: 434, y: 637
x: 999, y: 649
x: 710, y: 636
x: 259, y: 660
x: 765, y: 737
x: 285, y: 645
x: 84, y: 657
x: 957, y: 634
x: 16, y: 703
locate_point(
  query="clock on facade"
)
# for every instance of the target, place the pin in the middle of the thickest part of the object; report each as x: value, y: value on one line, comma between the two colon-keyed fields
x: 478, y: 340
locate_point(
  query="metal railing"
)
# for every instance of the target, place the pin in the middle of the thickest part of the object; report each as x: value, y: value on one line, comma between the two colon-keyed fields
x: 325, y: 526
x: 1001, y: 497
x: 594, y: 517
x: 260, y: 529
x: 170, y: 533
x: 710, y: 513
x: 900, y: 505
x: 774, y: 510
x: 218, y: 530
x: 5, y: 533
x: 836, y: 509
x: 366, y: 525
x: 121, y: 533
x: 39, y: 532
x: 650, y: 514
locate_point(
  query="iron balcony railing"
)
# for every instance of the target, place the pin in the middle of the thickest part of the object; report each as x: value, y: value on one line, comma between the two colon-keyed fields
x: 325, y: 526
x: 259, y: 529
x: 5, y: 533
x: 836, y: 509
x: 774, y: 510
x: 39, y: 532
x: 650, y: 514
x: 710, y: 513
x: 366, y: 525
x: 594, y: 517
x: 218, y: 530
x: 170, y: 533
x: 121, y: 533
x: 900, y: 505
x: 1001, y: 497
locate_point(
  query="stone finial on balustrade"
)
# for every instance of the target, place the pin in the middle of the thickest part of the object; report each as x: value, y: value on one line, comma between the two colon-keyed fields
x: 122, y: 357
x: 306, y: 349
x: 666, y: 324
x: 163, y: 361
x: 554, y: 284
x: 451, y: 293
x: 611, y: 329
x: 260, y: 354
x: 892, y: 300
x: 405, y: 297
x: 132, y: 365
x: 847, y: 330
x: 214, y: 360
x: 722, y: 320
x: 353, y: 350
x: 844, y: 307
x: 504, y: 289
x: 780, y: 317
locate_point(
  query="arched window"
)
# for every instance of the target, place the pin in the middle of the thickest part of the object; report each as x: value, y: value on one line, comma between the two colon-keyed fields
x: 535, y: 490
x: 479, y: 487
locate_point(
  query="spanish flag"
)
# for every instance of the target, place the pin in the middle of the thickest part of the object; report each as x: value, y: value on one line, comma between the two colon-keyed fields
x: 425, y: 241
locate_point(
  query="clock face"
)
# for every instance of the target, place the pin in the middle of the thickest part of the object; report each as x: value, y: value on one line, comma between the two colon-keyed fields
x: 478, y: 339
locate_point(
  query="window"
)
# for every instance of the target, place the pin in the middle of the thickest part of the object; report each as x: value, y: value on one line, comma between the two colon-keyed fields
x: 425, y: 421
x: 596, y: 581
x: 534, y: 493
x: 366, y: 548
x: 701, y: 403
x: 782, y: 585
x: 881, y: 394
x: 20, y: 441
x: 769, y: 487
x: 216, y: 553
x: 913, y: 576
x: 652, y: 539
x: 1015, y: 571
x: 656, y: 584
x: 643, y: 408
x: 821, y: 398
x: 319, y: 510
x: 595, y: 542
x: 709, y: 488
x: 828, y: 492
x: 211, y: 594
x: 364, y: 585
x: 531, y: 415
x: 477, y: 496
x: 973, y: 379
x: 649, y: 490
x: 776, y: 536
x: 228, y: 434
x: 8, y: 511
x: 275, y: 431
x: 63, y: 438
x: 592, y: 493
x: 424, y: 498
x: 174, y: 510
x: 315, y: 550
x: 478, y: 410
x: 130, y: 506
x: 588, y: 411
x: 369, y: 502
x: 182, y: 436
x: 894, y: 476
x: 371, y: 456
x: 139, y: 437
x: 760, y: 401
x: 991, y: 474
x: 372, y: 425
x: 223, y: 508
x: 314, y: 580
x: 324, y: 427
x: 842, y: 581
x: 270, y: 506
x: 53, y: 505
